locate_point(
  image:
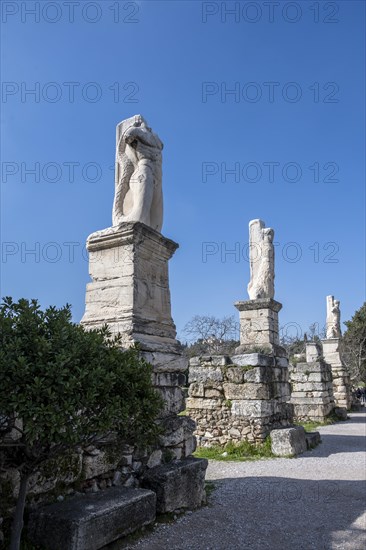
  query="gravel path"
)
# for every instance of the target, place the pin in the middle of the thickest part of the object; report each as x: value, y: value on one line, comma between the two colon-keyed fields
x: 316, y: 501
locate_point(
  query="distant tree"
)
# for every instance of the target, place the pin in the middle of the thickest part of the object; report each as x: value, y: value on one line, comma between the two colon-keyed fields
x: 211, y: 335
x: 62, y: 387
x: 354, y: 343
x: 296, y: 344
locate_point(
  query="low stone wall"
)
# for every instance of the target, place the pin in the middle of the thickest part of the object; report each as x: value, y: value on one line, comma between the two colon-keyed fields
x: 311, y: 390
x: 238, y: 398
x: 95, y: 468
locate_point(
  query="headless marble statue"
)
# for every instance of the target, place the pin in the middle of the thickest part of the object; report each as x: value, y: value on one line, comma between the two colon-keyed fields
x: 333, y: 318
x: 138, y: 178
x: 261, y: 256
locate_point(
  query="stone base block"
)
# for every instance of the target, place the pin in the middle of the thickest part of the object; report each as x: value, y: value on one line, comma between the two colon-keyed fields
x: 288, y: 441
x: 259, y: 324
x: 128, y: 265
x: 238, y: 398
x: 312, y: 411
x: 180, y: 484
x: 90, y: 522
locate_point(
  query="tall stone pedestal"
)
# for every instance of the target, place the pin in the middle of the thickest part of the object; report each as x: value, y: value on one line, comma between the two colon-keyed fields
x: 129, y: 292
x: 259, y: 326
x: 332, y: 353
x: 312, y: 388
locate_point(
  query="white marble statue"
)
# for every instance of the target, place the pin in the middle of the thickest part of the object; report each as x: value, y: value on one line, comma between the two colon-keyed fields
x: 333, y: 318
x: 138, y: 178
x: 261, y: 257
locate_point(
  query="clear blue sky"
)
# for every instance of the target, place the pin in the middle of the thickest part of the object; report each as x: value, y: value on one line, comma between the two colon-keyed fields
x: 299, y: 76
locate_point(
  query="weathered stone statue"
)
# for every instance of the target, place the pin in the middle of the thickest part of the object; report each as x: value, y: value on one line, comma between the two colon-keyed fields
x: 129, y: 291
x: 138, y: 178
x: 333, y: 318
x: 261, y: 255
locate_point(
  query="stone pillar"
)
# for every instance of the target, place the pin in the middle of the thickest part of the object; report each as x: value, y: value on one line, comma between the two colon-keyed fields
x: 129, y: 292
x: 312, y: 389
x: 259, y: 326
x: 332, y: 353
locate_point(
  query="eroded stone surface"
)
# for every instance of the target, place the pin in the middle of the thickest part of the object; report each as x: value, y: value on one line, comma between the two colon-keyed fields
x: 288, y: 441
x: 178, y: 485
x: 91, y: 521
x: 241, y: 401
x: 312, y: 386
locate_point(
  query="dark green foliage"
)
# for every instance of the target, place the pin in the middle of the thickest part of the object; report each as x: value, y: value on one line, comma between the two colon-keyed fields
x: 68, y: 385
x: 62, y: 387
x: 355, y: 345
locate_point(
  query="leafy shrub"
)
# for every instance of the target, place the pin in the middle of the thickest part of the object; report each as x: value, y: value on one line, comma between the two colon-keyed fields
x: 63, y: 387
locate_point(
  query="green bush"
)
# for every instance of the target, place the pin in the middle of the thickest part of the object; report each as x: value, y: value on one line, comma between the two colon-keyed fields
x: 63, y: 387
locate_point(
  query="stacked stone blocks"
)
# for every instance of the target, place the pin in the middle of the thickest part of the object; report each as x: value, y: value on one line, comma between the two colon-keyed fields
x: 332, y: 351
x: 311, y: 386
x: 242, y: 397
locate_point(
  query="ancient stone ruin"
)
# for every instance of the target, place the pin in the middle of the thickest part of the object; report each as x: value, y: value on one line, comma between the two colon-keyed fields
x: 129, y: 291
x: 312, y: 386
x: 332, y: 353
x: 320, y: 382
x: 245, y: 396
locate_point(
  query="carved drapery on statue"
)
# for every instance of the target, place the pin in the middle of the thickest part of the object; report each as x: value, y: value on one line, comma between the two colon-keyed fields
x: 333, y: 318
x: 138, y: 176
x: 261, y: 256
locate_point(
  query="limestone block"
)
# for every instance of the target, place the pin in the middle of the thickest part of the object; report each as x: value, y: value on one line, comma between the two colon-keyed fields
x: 213, y: 393
x: 220, y: 360
x: 179, y: 484
x: 288, y: 441
x: 246, y: 391
x: 130, y: 286
x: 205, y: 374
x: 99, y: 462
x: 155, y: 458
x: 259, y: 375
x: 312, y: 410
x: 176, y: 429
x: 202, y: 403
x: 65, y: 469
x: 254, y: 408
x: 166, y: 362
x: 190, y: 446
x: 173, y: 399
x: 252, y: 359
x: 312, y: 352
x: 169, y: 379
x: 235, y: 375
x: 280, y: 374
x: 196, y: 390
x: 92, y: 521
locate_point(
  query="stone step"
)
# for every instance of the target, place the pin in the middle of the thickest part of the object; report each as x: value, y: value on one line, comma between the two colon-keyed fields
x: 179, y: 484
x: 91, y: 521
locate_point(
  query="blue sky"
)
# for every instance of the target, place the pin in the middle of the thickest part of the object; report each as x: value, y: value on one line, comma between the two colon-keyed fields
x: 298, y: 110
